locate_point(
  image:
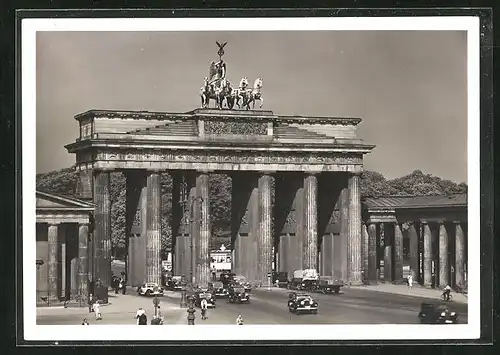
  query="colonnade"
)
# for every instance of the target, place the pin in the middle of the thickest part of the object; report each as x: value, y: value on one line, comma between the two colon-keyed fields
x: 297, y: 225
x: 436, y: 252
x: 53, y: 262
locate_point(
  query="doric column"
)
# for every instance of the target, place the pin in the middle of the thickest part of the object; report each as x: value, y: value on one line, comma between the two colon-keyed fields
x: 83, y: 261
x: 354, y: 238
x: 398, y: 253
x: 102, y: 230
x: 202, y: 252
x: 153, y: 228
x: 414, y: 252
x: 310, y: 243
x: 264, y: 238
x: 364, y: 230
x: 52, y: 262
x: 443, y: 256
x: 459, y: 255
x: 372, y: 253
x: 344, y: 234
x: 427, y: 255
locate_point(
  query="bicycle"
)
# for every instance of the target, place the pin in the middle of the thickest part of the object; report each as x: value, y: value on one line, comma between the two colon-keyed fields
x: 443, y: 297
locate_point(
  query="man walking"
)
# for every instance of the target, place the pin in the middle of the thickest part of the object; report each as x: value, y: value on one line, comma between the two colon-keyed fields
x: 141, y: 317
x: 204, y: 306
x: 191, y: 316
x: 410, y: 280
x: 214, y: 273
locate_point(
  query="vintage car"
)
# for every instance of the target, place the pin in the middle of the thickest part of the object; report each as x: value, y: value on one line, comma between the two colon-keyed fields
x: 242, y: 281
x: 306, y: 279
x: 436, y: 314
x: 226, y: 277
x: 302, y: 303
x: 200, y: 295
x: 150, y: 289
x: 175, y: 283
x: 238, y: 294
x: 328, y: 284
x: 219, y: 290
x: 280, y: 279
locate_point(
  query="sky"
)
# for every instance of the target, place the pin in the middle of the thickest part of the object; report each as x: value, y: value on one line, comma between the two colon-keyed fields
x: 409, y: 87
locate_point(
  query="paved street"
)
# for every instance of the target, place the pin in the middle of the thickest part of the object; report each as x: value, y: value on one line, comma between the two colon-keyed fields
x: 353, y: 306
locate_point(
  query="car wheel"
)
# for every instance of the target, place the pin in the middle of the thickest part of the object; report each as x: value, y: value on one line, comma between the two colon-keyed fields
x: 148, y: 293
x: 337, y: 291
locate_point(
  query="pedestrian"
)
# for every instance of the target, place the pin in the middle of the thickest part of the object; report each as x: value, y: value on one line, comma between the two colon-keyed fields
x: 97, y: 310
x: 191, y: 316
x: 204, y: 306
x: 124, y: 286
x: 410, y: 280
x: 91, y: 302
x: 214, y: 273
x: 85, y: 322
x: 239, y: 320
x: 141, y: 317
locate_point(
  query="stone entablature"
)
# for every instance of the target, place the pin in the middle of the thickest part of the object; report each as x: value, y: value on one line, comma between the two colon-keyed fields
x: 217, y: 140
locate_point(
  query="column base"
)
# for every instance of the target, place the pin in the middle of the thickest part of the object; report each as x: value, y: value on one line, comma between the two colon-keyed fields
x: 399, y: 282
x: 356, y: 283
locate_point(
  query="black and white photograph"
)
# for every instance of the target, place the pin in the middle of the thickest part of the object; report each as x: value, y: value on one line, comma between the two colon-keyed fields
x: 251, y: 178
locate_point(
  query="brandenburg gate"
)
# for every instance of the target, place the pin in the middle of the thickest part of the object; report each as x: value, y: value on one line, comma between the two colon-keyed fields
x: 295, y: 186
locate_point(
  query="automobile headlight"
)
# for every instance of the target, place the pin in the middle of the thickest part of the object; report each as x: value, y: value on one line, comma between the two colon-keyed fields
x: 453, y: 313
x: 302, y: 302
x: 303, y: 284
x: 443, y: 314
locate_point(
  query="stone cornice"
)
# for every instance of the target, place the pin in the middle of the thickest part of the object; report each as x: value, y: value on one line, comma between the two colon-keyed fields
x: 218, y: 115
x: 199, y: 144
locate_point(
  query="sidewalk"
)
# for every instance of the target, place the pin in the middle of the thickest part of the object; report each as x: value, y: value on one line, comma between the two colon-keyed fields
x: 416, y: 291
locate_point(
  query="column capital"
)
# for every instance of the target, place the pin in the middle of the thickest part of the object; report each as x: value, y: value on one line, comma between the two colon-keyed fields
x: 424, y: 222
x: 457, y: 222
x: 103, y: 170
x: 355, y: 173
x: 55, y: 224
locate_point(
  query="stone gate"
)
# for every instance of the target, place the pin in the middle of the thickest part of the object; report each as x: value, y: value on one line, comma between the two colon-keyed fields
x: 312, y: 163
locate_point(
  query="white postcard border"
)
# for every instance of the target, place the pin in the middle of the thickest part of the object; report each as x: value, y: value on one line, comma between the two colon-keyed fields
x: 32, y: 331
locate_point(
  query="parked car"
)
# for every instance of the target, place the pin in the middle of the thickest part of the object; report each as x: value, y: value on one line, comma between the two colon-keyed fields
x: 306, y: 279
x: 327, y: 284
x: 150, y: 289
x: 436, y: 314
x: 238, y: 294
x: 280, y: 279
x: 302, y: 303
x: 226, y: 277
x: 219, y: 290
x: 242, y: 281
x: 200, y: 295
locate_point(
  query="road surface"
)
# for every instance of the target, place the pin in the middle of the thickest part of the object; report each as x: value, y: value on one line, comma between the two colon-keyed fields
x: 352, y: 306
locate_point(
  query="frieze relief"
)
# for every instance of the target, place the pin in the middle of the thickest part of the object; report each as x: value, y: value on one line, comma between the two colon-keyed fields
x: 250, y: 157
x: 236, y: 128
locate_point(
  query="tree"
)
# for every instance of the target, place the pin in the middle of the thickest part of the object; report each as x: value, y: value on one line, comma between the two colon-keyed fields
x: 373, y: 184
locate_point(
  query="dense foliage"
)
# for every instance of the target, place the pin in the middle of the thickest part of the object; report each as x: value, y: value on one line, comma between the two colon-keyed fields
x: 373, y: 184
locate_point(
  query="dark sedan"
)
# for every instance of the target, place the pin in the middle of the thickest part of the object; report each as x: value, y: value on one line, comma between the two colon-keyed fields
x: 199, y: 296
x: 302, y: 303
x: 437, y: 314
x: 238, y: 294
